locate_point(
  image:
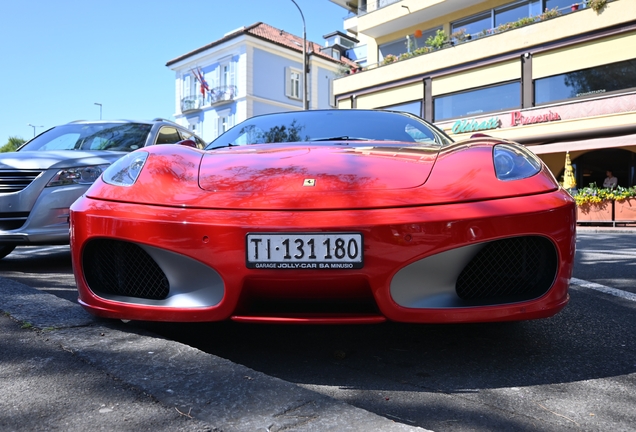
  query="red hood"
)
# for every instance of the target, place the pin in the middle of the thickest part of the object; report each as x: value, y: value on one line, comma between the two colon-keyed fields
x: 316, y: 168
x: 319, y: 177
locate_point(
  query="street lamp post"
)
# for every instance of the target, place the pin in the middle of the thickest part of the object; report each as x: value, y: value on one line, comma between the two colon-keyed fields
x: 305, y: 99
x: 34, y: 126
x: 100, y: 110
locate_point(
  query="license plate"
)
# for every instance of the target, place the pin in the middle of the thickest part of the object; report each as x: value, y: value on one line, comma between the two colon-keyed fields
x: 304, y: 250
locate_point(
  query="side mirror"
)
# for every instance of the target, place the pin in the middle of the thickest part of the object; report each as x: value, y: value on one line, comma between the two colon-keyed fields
x: 187, y: 143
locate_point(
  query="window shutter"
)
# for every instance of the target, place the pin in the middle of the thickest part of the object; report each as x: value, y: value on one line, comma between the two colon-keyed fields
x: 288, y: 91
x: 232, y: 73
x: 186, y: 85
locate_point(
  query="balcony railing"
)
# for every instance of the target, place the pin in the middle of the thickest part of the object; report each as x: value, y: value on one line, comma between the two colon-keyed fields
x: 191, y: 103
x: 221, y: 94
x: 461, y: 37
x: 214, y: 96
x: 373, y: 5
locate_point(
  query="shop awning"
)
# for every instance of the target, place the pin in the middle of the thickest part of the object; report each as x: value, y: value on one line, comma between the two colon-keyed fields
x: 585, y: 144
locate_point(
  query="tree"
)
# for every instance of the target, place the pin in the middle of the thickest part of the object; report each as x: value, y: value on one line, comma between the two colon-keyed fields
x: 13, y: 143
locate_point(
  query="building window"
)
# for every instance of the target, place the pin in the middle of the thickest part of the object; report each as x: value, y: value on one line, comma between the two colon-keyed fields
x: 476, y: 102
x: 406, y: 44
x: 414, y: 107
x: 223, y: 124
x: 475, y: 24
x: 514, y: 11
x: 293, y: 83
x: 480, y: 24
x: 586, y: 82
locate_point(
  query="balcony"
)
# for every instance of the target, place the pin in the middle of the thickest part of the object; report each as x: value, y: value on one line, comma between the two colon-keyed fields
x: 495, y: 43
x: 191, y: 103
x: 221, y: 95
x: 213, y: 97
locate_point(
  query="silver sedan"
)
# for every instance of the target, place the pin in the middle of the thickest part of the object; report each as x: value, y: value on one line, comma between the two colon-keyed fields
x: 40, y: 181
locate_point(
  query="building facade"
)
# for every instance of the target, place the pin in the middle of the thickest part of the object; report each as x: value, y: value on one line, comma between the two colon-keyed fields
x: 250, y: 71
x: 556, y: 75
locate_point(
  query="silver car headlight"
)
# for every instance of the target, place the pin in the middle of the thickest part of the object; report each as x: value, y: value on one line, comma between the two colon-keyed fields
x: 125, y: 171
x: 514, y: 163
x: 80, y: 175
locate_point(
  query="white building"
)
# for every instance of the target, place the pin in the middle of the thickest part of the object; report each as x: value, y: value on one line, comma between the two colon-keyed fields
x: 250, y: 71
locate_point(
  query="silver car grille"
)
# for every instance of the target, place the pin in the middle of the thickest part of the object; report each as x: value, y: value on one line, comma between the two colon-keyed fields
x: 16, y: 180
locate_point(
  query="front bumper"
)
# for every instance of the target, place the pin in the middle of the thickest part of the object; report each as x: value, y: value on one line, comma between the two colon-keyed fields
x: 201, y: 258
x: 45, y: 221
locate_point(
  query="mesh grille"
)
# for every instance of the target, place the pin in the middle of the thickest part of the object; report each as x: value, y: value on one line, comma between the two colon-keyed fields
x: 14, y: 181
x: 516, y: 269
x: 122, y: 268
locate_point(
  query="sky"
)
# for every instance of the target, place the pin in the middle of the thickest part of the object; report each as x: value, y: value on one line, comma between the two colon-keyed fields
x: 58, y: 58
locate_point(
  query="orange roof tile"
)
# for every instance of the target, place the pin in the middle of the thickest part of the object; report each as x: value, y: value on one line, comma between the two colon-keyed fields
x: 271, y: 34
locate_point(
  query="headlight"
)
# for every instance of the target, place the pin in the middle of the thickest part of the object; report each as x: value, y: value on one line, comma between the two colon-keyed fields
x: 514, y: 163
x: 81, y: 175
x: 125, y: 171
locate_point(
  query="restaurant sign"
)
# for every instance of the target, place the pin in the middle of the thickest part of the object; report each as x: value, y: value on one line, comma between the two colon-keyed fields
x: 472, y: 125
x: 517, y: 118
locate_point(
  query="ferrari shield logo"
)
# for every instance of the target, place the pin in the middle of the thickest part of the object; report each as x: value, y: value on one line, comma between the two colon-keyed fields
x: 309, y: 182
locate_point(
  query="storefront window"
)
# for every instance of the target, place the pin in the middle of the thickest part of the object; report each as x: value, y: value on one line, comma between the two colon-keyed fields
x: 476, y: 102
x: 586, y: 82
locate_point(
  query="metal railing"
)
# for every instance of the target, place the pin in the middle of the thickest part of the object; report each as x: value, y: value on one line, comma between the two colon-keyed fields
x: 213, y: 96
x: 373, y: 5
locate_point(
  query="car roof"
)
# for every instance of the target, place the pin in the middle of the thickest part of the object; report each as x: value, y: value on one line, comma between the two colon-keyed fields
x: 153, y: 121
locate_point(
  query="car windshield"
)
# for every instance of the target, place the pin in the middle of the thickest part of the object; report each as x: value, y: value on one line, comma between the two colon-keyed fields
x: 91, y: 136
x: 332, y: 125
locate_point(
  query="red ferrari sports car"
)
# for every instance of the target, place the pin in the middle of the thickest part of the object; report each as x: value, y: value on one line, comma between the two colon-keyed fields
x: 327, y: 216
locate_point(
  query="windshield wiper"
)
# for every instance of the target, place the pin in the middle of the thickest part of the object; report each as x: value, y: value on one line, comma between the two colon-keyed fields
x: 340, y: 138
x: 224, y: 146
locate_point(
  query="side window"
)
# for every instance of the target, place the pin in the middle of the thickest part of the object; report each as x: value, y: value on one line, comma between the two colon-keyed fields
x: 200, y: 143
x: 186, y: 135
x: 168, y: 135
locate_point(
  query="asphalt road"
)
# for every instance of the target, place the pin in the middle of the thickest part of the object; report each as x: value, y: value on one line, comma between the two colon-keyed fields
x: 575, y: 371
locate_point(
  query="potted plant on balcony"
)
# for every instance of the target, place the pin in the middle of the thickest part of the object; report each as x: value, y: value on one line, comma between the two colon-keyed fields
x: 437, y: 41
x: 625, y: 204
x: 594, y: 204
x: 596, y: 5
x: 389, y: 58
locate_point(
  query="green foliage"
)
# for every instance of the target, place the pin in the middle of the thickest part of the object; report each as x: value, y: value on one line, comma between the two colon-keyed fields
x: 549, y: 13
x: 595, y: 195
x: 422, y: 50
x: 389, y: 58
x: 597, y: 5
x: 438, y: 40
x: 441, y: 39
x: 13, y: 143
x: 460, y: 36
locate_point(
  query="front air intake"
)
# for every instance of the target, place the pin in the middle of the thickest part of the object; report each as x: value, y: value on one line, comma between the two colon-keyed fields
x: 520, y: 268
x: 115, y: 267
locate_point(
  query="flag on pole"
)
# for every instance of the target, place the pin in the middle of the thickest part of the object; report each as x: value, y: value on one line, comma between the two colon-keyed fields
x: 198, y: 73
